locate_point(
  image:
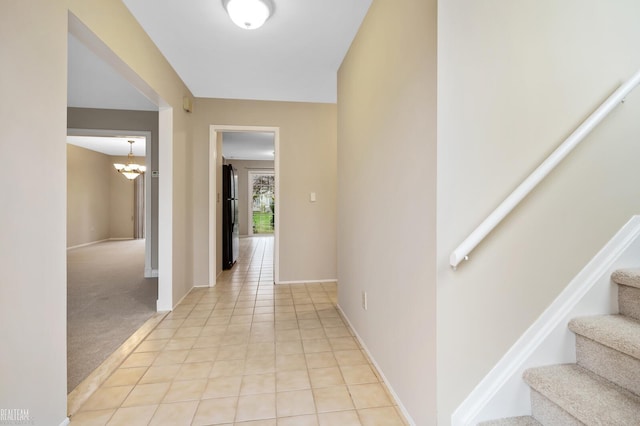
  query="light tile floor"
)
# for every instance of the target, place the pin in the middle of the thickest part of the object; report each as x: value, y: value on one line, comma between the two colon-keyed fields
x: 247, y: 352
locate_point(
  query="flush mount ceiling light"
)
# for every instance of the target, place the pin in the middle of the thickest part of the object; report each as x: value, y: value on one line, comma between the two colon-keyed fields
x: 130, y: 170
x: 249, y: 14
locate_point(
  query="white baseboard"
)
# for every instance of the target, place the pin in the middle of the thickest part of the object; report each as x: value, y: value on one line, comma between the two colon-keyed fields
x: 181, y: 299
x: 150, y: 273
x: 334, y: 280
x: 503, y: 393
x: 87, y: 244
x: 375, y: 363
x: 98, y: 242
x: 65, y: 422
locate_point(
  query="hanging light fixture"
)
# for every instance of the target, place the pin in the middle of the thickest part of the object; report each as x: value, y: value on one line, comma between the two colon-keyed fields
x: 130, y: 170
x: 249, y: 14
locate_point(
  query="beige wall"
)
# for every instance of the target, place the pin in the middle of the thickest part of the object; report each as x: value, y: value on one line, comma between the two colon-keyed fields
x: 307, y: 164
x: 88, y: 196
x: 99, y: 200
x: 244, y: 167
x: 33, y: 214
x: 386, y: 196
x: 111, y: 119
x: 515, y: 78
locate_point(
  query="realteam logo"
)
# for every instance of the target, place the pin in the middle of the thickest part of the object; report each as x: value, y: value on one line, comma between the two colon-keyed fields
x: 15, y: 416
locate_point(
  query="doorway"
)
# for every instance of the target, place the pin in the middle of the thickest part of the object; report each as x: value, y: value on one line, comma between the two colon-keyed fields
x: 109, y: 295
x: 216, y: 160
x: 106, y: 60
x: 165, y: 154
x: 144, y: 216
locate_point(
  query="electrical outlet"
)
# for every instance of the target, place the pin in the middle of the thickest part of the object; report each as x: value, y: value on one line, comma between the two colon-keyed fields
x: 364, y: 300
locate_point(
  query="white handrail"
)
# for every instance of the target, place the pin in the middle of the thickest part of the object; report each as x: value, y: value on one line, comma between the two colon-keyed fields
x: 462, y: 251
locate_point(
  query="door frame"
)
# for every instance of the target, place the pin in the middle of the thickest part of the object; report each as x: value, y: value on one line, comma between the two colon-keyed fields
x: 214, y: 195
x: 258, y: 172
x: 148, y: 218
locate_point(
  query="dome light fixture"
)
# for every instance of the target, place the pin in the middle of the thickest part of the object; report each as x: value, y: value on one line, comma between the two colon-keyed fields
x: 249, y: 14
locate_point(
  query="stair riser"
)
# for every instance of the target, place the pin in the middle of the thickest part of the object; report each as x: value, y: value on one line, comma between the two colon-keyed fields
x: 549, y: 414
x: 614, y: 366
x: 628, y: 277
x: 629, y: 301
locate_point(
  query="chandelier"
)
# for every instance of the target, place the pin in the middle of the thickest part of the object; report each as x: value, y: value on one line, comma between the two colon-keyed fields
x: 130, y: 170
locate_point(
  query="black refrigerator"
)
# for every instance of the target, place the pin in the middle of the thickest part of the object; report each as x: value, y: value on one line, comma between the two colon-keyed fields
x: 230, y: 226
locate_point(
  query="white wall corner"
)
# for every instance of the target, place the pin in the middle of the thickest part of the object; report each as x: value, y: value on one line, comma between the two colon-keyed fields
x: 401, y: 406
x: 65, y: 422
x: 503, y: 393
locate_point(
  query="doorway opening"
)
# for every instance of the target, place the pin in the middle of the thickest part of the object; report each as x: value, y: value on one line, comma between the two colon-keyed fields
x: 111, y: 291
x: 114, y: 143
x: 97, y: 105
x: 118, y: 69
x: 224, y: 144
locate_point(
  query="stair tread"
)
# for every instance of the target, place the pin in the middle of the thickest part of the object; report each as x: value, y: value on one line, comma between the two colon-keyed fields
x: 513, y: 421
x: 585, y: 395
x: 615, y: 331
x: 628, y: 277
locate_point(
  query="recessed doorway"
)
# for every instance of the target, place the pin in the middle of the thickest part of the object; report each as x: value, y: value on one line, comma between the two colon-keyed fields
x: 219, y: 134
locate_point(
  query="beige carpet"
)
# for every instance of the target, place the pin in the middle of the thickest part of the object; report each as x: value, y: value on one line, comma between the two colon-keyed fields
x: 108, y: 299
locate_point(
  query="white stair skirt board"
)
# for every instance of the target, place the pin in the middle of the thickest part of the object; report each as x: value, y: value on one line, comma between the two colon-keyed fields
x: 397, y: 400
x: 503, y: 392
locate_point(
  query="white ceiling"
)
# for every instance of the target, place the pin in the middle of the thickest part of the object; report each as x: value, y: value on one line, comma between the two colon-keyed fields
x: 118, y: 146
x: 295, y: 56
x: 94, y: 84
x: 248, y: 145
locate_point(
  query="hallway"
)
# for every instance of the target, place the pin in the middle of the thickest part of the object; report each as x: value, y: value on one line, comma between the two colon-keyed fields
x: 247, y: 352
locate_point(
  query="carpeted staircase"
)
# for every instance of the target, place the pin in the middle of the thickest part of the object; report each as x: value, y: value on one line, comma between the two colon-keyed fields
x: 603, y: 387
